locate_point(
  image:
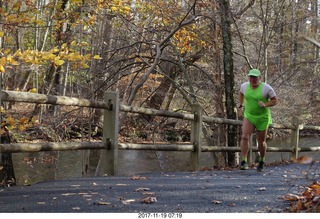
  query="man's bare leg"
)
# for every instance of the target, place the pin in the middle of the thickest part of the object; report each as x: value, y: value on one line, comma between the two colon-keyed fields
x: 262, y: 147
x: 247, y: 130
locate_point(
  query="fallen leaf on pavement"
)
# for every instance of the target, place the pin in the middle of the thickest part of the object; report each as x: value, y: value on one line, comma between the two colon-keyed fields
x: 149, y: 193
x: 120, y: 184
x: 292, y: 197
x: 149, y: 200
x: 138, y: 178
x: 68, y: 194
x: 142, y: 189
x: 128, y: 201
x: 103, y: 203
x: 309, y: 201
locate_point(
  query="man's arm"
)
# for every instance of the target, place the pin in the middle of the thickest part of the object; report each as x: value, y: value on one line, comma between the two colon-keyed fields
x: 272, y: 102
x: 241, y: 97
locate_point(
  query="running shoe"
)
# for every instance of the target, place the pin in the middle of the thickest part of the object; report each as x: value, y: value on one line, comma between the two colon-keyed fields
x: 243, y: 165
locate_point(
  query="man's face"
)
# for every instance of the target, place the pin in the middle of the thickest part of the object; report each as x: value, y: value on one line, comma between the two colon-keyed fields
x: 254, y: 81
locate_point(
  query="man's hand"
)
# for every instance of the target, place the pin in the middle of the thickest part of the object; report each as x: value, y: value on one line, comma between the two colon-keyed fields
x: 240, y: 112
x: 261, y: 104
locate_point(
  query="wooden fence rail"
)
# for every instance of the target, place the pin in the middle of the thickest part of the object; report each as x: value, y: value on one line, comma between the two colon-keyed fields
x: 67, y: 146
x: 110, y: 144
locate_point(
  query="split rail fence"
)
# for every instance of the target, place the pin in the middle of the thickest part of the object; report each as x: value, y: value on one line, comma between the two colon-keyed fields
x: 110, y: 144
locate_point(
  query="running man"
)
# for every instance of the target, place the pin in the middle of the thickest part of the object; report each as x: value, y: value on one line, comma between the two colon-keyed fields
x: 256, y: 97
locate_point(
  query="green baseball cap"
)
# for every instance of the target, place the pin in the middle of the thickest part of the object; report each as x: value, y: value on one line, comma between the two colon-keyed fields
x: 254, y: 72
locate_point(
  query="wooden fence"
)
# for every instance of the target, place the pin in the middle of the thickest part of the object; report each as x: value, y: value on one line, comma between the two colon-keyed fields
x: 110, y: 144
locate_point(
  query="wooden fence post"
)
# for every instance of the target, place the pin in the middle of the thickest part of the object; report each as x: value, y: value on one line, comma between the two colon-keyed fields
x: 295, y: 138
x: 110, y: 132
x: 196, y: 137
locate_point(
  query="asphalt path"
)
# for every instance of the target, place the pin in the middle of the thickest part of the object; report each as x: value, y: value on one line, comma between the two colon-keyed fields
x: 217, y: 191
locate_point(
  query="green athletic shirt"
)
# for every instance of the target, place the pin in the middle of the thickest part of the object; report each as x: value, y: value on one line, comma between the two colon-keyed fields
x: 260, y: 117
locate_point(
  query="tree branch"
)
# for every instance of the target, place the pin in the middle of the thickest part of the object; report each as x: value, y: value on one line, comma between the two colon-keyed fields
x: 246, y: 58
x: 243, y: 10
x: 311, y: 40
x: 159, y: 47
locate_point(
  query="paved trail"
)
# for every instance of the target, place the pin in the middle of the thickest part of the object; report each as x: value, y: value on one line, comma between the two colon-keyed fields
x: 188, y: 192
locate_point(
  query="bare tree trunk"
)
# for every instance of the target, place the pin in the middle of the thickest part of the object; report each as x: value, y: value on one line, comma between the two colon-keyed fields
x: 294, y: 33
x: 281, y: 42
x: 1, y: 41
x: 105, y: 31
x: 173, y: 70
x: 228, y: 75
x: 55, y: 73
x: 219, y: 157
x: 3, y: 160
x: 159, y: 95
x: 314, y: 88
x: 102, y: 43
x: 7, y: 176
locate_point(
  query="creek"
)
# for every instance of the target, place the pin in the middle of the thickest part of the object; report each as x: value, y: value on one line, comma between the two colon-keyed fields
x: 45, y: 166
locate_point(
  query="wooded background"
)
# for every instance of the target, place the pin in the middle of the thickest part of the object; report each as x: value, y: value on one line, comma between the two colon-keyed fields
x: 162, y: 54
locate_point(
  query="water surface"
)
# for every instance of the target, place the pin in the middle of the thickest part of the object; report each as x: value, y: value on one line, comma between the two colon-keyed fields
x: 44, y: 166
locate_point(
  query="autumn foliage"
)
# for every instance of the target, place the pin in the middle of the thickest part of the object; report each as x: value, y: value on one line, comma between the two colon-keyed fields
x: 309, y: 201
